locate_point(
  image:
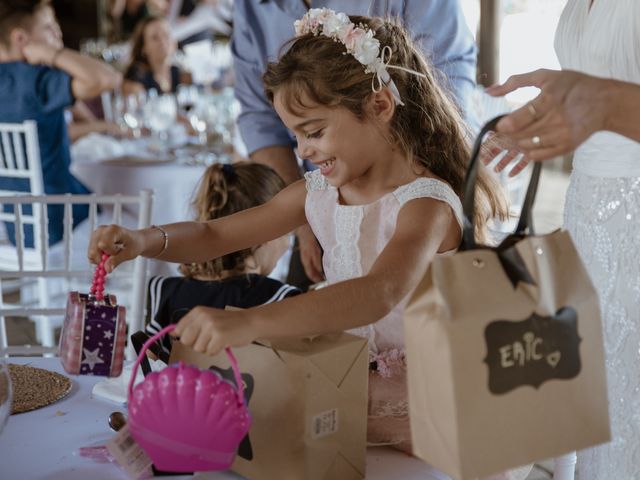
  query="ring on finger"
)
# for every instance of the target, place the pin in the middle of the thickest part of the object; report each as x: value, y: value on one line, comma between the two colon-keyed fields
x: 536, y: 140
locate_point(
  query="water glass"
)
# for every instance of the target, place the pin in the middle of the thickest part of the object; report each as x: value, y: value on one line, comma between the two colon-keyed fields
x: 159, y: 115
x: 133, y: 113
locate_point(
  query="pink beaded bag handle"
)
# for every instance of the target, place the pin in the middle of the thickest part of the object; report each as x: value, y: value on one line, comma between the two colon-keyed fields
x: 99, y: 276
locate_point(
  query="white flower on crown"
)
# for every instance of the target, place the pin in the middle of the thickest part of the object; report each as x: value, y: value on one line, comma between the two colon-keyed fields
x: 367, y: 49
x: 358, y: 41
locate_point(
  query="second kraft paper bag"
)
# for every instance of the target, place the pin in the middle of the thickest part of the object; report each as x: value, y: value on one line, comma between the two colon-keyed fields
x: 505, y: 352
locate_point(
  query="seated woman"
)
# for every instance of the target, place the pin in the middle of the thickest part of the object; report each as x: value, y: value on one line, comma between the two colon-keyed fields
x: 151, y: 59
x: 238, y: 279
x: 126, y: 14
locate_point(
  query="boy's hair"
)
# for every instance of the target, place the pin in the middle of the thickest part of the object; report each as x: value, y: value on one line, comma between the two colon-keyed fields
x: 18, y: 14
x: 225, y: 190
x: 429, y: 127
x: 137, y: 41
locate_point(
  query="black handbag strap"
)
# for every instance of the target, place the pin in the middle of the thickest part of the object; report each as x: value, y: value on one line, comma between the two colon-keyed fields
x: 137, y: 340
x: 525, y: 223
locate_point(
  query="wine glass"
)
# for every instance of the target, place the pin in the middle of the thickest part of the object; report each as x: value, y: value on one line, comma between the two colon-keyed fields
x: 187, y: 97
x: 160, y: 114
x: 133, y: 114
x: 6, y: 393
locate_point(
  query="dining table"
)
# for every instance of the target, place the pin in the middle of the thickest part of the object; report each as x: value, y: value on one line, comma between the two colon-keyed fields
x: 110, y: 166
x: 46, y: 443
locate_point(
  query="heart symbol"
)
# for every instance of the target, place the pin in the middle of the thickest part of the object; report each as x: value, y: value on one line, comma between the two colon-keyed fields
x: 554, y: 358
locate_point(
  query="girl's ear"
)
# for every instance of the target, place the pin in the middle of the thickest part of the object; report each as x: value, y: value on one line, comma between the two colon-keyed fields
x: 383, y: 105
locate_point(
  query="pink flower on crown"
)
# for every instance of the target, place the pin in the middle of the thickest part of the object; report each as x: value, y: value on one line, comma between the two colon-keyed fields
x: 349, y: 35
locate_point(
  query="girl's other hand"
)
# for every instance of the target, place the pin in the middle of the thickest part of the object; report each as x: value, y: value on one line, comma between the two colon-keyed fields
x: 120, y: 243
x: 209, y: 330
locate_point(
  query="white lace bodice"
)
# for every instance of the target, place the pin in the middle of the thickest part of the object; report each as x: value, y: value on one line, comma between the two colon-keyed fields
x: 352, y: 237
x: 603, y: 41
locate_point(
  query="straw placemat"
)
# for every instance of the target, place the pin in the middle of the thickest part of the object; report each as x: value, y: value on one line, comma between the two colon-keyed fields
x: 35, y: 388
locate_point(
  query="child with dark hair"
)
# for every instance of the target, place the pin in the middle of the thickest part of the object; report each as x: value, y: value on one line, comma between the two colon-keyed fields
x: 238, y: 279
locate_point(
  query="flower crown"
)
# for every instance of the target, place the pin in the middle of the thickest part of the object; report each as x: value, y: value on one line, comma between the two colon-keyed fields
x: 359, y: 42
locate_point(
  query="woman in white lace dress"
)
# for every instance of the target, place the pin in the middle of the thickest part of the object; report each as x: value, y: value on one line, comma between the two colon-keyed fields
x: 599, y: 113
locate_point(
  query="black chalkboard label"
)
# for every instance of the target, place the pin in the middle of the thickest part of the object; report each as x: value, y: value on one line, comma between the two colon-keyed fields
x: 244, y: 449
x: 532, y: 351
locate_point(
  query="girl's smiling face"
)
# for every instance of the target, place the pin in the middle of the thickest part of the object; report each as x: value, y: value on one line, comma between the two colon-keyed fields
x: 343, y: 146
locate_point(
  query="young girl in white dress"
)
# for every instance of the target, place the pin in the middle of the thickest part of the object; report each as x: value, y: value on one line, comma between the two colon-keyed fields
x: 385, y: 200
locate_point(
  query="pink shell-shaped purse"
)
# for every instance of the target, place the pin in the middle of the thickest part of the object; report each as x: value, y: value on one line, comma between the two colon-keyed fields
x: 187, y: 419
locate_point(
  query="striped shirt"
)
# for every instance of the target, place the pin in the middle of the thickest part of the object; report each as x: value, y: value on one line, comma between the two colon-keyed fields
x: 171, y: 298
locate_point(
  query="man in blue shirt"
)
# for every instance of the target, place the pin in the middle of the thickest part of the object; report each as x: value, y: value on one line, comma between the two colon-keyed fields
x: 261, y: 27
x: 38, y: 80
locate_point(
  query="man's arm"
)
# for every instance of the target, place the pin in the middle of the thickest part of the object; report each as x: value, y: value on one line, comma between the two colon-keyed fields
x: 440, y: 29
x: 264, y: 134
x: 281, y: 159
x: 90, y: 77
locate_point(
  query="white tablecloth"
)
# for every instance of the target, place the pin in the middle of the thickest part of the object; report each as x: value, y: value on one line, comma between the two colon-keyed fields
x: 43, y: 444
x: 173, y: 184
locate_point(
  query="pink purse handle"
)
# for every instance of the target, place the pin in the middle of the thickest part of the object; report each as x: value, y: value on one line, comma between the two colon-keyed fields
x: 163, y: 332
x: 97, y: 286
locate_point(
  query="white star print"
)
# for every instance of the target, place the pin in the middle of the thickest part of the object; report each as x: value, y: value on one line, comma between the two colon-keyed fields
x: 108, y: 334
x: 91, y: 358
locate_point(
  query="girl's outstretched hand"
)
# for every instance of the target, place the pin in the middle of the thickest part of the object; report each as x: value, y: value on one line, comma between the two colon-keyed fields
x: 209, y: 330
x: 120, y: 243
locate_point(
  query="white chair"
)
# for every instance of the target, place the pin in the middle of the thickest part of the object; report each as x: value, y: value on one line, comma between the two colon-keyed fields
x: 19, y: 160
x: 20, y: 155
x: 65, y: 265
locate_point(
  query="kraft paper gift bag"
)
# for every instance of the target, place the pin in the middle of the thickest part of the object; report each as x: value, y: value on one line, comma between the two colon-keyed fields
x: 505, y: 351
x: 308, y: 402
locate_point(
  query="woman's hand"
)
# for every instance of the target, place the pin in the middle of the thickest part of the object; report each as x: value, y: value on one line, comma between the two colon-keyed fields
x: 209, y: 330
x: 567, y: 111
x: 120, y: 243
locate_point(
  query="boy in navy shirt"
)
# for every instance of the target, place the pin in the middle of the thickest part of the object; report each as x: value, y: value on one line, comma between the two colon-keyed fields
x: 38, y: 80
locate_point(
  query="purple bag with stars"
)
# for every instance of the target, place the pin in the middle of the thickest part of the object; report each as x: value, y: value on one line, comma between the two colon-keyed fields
x: 94, y: 333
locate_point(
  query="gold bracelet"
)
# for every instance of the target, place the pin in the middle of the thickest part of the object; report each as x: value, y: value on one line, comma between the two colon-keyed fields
x: 166, y: 240
x: 55, y: 57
